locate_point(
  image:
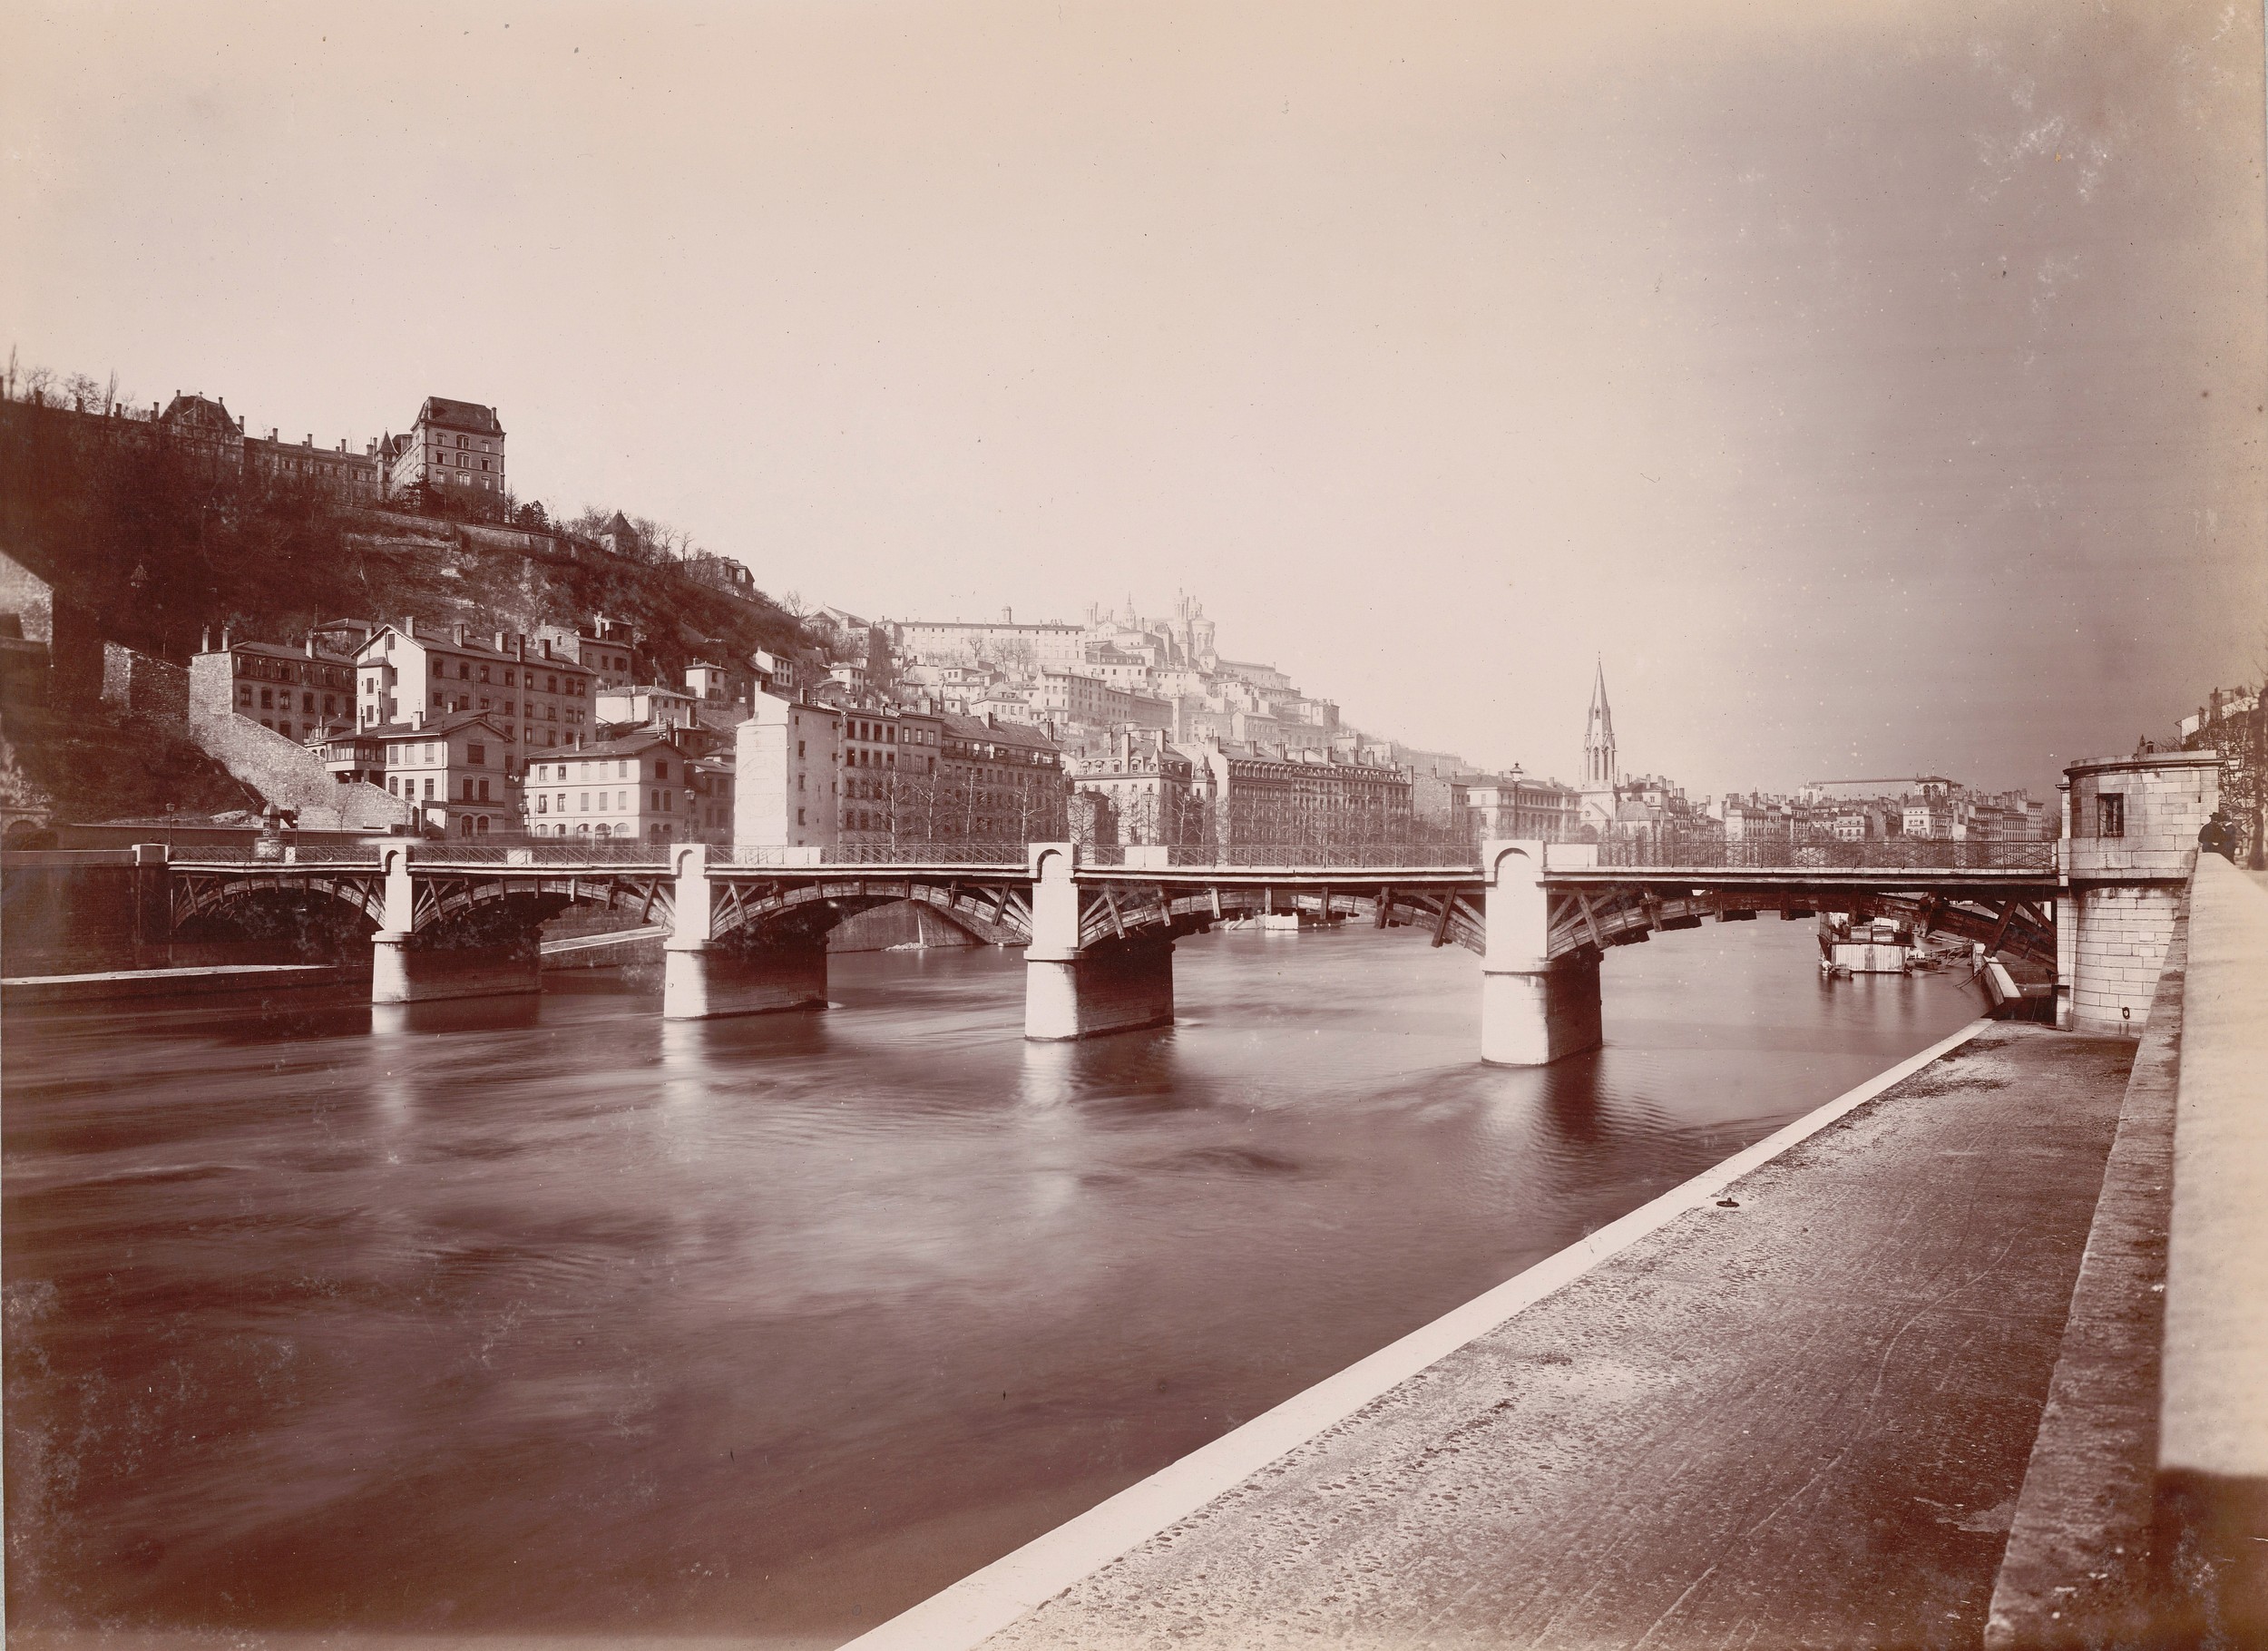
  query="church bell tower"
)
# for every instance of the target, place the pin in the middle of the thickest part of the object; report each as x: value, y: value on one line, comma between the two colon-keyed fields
x: 1602, y: 774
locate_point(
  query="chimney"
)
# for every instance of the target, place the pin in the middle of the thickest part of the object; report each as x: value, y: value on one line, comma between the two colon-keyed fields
x: 462, y: 632
x: 520, y: 648
x: 1007, y: 616
x: 204, y: 640
x: 224, y: 639
x: 416, y: 719
x: 310, y: 440
x: 500, y: 643
x: 409, y: 626
x: 272, y: 432
x: 311, y: 644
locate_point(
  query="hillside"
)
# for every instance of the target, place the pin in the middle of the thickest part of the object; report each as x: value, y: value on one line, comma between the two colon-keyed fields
x: 148, y: 542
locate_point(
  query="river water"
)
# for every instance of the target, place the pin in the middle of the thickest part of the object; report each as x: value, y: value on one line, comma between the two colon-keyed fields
x: 540, y: 1316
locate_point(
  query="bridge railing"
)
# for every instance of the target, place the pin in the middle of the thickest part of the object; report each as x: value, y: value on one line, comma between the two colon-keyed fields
x: 1824, y: 854
x: 875, y: 854
x: 1371, y: 856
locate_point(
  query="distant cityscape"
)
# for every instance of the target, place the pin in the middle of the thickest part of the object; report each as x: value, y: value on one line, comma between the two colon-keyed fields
x: 1121, y: 728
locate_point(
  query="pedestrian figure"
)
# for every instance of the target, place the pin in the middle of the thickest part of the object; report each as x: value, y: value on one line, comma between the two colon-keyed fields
x: 2218, y: 837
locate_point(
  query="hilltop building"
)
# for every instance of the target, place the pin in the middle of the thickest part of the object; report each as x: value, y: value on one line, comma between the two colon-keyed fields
x: 453, y: 443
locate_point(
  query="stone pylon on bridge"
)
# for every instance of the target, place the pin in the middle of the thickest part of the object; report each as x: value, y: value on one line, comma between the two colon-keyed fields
x: 1534, y: 1009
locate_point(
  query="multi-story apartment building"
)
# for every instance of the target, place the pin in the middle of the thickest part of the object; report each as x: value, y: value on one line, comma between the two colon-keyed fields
x: 712, y: 798
x: 639, y: 787
x: 605, y: 652
x: 1273, y: 797
x: 891, y: 768
x: 203, y: 427
x: 1139, y: 791
x: 719, y: 688
x: 998, y: 782
x: 1034, y: 647
x: 299, y: 693
x: 1065, y: 696
x: 539, y: 700
x: 787, y: 775
x: 454, y: 770
x: 1514, y: 805
x: 647, y: 704
x: 453, y: 443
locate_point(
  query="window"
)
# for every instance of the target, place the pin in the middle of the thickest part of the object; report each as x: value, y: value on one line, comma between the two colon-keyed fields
x: 798, y: 817
x: 622, y: 769
x: 543, y: 803
x: 483, y: 791
x: 476, y: 755
x: 582, y: 802
x: 661, y: 770
x: 483, y: 673
x: 268, y: 699
x: 799, y: 747
x: 2110, y: 814
x: 428, y: 787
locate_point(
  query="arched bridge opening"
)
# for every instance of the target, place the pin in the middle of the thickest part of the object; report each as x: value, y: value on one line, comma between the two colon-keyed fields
x: 1595, y: 920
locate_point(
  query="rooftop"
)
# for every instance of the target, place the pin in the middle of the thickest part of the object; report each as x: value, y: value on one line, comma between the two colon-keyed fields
x: 467, y: 415
x: 448, y: 723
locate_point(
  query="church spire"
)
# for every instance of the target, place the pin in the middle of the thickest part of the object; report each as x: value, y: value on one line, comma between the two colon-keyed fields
x: 1601, y: 770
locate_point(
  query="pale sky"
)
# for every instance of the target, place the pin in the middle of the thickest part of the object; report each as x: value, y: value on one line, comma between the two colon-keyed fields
x: 1877, y: 393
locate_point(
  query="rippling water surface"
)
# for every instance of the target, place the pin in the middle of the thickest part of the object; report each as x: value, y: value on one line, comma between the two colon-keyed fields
x: 540, y: 1316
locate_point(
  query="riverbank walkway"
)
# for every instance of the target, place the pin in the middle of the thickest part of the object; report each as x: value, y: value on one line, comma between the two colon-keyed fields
x: 1827, y: 1398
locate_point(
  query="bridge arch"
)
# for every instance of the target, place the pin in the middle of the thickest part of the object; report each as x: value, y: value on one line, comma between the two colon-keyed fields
x: 453, y: 908
x: 1599, y: 919
x: 1453, y: 915
x: 781, y: 912
x: 314, y: 913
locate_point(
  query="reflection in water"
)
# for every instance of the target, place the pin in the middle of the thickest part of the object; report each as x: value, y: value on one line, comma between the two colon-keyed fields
x: 542, y: 1316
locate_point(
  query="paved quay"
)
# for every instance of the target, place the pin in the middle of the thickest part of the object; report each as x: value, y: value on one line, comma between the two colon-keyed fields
x: 1798, y: 1415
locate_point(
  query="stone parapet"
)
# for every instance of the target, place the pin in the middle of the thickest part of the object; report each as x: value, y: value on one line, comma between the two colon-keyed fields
x: 2212, y: 1502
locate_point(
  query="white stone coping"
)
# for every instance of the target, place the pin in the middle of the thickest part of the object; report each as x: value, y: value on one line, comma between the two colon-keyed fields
x: 2214, y: 1394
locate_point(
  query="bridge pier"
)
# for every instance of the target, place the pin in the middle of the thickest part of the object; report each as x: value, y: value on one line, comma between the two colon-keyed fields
x: 704, y: 979
x: 403, y: 971
x: 1071, y: 991
x: 1534, y: 1009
